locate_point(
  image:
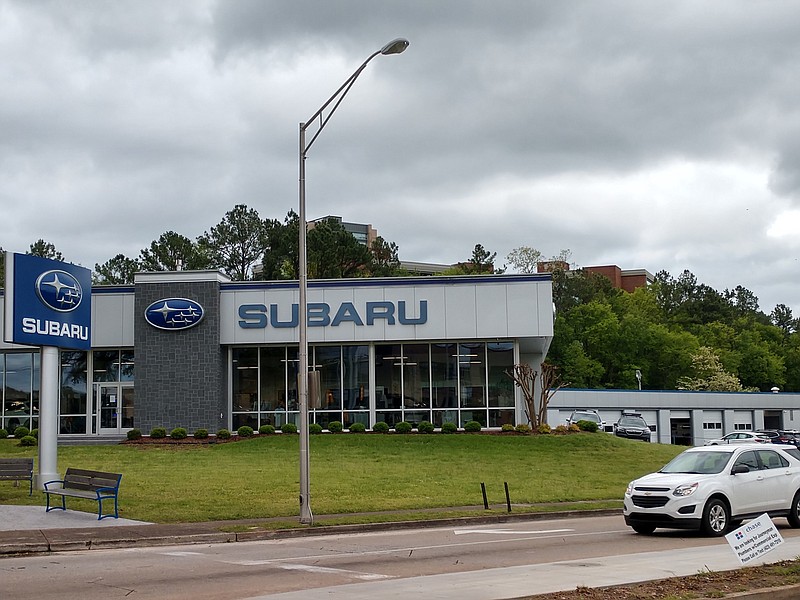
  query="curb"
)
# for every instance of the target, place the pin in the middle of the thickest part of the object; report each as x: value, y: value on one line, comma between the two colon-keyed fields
x: 791, y: 592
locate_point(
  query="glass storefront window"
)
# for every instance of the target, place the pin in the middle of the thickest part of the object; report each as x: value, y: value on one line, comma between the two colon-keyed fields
x: 20, y: 405
x: 126, y: 365
x: 245, y: 379
x: 105, y: 365
x: 442, y: 383
x: 73, y: 396
x: 388, y: 377
x: 273, y: 380
x: 499, y: 360
x: 328, y: 361
x: 444, y: 376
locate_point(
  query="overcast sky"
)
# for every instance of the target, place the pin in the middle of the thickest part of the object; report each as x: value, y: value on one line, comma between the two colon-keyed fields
x: 654, y: 135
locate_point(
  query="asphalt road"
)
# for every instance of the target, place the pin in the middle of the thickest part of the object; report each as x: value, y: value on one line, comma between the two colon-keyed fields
x: 483, y: 562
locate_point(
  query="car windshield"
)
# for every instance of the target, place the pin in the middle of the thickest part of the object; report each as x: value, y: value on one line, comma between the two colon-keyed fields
x: 632, y: 422
x: 698, y: 462
x: 586, y: 417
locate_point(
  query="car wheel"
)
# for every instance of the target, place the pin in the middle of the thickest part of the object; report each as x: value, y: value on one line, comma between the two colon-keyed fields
x: 643, y: 528
x: 716, y: 518
x: 794, y: 511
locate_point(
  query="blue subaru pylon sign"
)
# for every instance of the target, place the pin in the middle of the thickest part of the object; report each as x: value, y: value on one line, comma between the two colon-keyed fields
x: 48, y: 302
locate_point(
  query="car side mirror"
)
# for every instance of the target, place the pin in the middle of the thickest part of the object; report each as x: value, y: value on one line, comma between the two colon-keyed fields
x: 740, y: 469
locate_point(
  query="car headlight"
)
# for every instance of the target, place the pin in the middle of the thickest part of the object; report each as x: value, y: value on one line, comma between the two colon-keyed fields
x: 685, y: 490
x: 629, y: 490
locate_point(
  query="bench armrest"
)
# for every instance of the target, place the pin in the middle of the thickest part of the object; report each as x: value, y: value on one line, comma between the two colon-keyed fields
x: 54, y: 481
x: 107, y: 489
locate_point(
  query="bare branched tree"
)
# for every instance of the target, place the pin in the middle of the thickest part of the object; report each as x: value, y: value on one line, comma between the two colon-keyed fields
x: 524, y: 376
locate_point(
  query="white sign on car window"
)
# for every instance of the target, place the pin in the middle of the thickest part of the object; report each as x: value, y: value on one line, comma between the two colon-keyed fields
x: 754, y: 538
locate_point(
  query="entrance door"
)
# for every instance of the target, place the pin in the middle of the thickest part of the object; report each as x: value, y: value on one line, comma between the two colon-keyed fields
x: 116, y: 407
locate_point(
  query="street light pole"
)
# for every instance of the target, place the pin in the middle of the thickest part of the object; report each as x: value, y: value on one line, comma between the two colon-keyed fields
x: 394, y: 47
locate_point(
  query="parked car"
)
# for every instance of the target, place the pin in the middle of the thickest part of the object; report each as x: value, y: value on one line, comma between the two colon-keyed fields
x: 632, y: 426
x: 777, y: 437
x: 714, y: 488
x: 793, y: 436
x: 587, y: 415
x: 739, y: 437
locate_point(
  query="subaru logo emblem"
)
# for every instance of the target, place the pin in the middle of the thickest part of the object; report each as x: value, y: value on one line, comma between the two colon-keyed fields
x: 174, y: 313
x: 59, y: 290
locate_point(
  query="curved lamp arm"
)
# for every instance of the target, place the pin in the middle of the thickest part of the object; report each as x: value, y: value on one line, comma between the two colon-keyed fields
x: 394, y: 47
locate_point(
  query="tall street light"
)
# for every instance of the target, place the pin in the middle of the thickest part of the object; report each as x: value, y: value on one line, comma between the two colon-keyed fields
x: 394, y: 47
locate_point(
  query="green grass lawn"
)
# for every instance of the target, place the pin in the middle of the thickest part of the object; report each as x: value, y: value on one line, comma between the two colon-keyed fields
x: 259, y: 477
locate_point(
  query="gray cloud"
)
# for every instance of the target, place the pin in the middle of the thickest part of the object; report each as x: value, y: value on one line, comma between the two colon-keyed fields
x: 651, y: 135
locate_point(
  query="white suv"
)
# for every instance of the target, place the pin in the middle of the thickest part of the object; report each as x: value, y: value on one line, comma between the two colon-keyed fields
x: 714, y: 488
x: 587, y: 415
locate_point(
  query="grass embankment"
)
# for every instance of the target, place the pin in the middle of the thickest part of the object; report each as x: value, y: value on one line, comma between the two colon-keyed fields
x: 259, y: 477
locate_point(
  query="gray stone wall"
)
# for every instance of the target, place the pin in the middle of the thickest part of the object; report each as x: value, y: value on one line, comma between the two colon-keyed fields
x: 180, y: 375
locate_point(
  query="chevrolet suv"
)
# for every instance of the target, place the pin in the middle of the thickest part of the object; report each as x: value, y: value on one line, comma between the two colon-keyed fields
x: 714, y: 488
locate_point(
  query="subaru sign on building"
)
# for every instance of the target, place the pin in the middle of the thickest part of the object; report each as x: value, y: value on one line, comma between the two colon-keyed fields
x: 50, y: 303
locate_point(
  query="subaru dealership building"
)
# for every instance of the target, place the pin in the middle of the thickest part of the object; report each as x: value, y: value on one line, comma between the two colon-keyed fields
x: 197, y: 350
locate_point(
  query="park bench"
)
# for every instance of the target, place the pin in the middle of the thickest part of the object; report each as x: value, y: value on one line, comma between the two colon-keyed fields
x: 17, y: 469
x: 91, y: 485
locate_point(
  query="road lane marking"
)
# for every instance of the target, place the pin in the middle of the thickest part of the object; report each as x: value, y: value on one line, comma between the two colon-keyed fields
x: 330, y: 571
x: 510, y: 531
x: 278, y: 564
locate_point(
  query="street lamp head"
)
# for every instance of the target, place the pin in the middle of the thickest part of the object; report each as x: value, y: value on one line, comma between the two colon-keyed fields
x: 395, y: 46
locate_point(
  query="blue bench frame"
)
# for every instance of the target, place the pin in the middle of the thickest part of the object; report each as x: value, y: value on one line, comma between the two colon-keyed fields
x: 90, y: 485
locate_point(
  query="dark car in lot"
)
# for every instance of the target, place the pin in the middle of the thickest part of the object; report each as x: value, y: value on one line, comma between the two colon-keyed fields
x: 777, y: 436
x: 632, y: 426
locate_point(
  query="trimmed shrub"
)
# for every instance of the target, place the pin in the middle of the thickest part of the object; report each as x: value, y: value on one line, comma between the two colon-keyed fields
x: 200, y: 434
x: 35, y: 433
x: 314, y: 428
x: 357, y: 428
x: 21, y: 432
x: 589, y: 426
x: 472, y: 427
x: 544, y: 428
x: 381, y: 427
x: 289, y: 428
x: 179, y: 433
x: 158, y: 433
x: 523, y: 428
x: 335, y: 427
x: 266, y: 429
x: 3, y: 434
x: 507, y: 428
x: 449, y: 427
x: 245, y: 431
x: 134, y: 434
x: 425, y: 427
x: 27, y: 440
x: 573, y: 428
x: 563, y: 429
x: 403, y: 427
x: 224, y: 434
